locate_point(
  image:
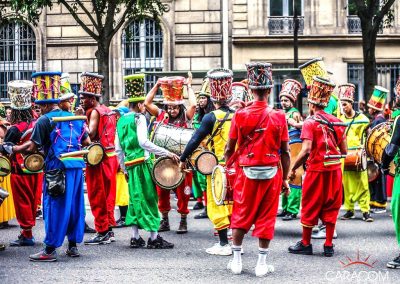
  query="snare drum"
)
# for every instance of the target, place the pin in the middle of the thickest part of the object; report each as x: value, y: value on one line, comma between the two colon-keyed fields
x: 222, y: 182
x: 96, y: 154
x: 314, y: 67
x: 356, y: 160
x: 220, y: 84
x: 5, y: 166
x: 205, y: 162
x: 34, y: 162
x: 172, y: 89
x: 171, y: 137
x: 295, y: 148
x: 167, y: 174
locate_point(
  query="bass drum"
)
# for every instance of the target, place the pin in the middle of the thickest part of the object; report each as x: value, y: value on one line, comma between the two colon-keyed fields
x: 295, y: 148
x: 377, y: 140
x: 167, y: 174
x: 171, y: 137
x: 356, y: 160
x: 96, y: 154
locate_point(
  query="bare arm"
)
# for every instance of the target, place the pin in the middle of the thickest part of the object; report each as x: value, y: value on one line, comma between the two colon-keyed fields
x: 148, y: 102
x: 192, y: 98
x: 303, y: 155
x: 27, y: 147
x: 229, y: 149
x: 285, y: 159
x: 343, y: 147
x: 93, y: 124
x: 86, y: 142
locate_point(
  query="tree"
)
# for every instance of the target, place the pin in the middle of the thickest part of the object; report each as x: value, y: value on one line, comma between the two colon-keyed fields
x: 374, y: 15
x: 106, y: 16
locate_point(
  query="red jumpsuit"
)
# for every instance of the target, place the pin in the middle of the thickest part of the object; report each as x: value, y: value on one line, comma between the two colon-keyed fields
x: 183, y: 191
x: 322, y: 186
x: 100, y: 179
x: 256, y: 200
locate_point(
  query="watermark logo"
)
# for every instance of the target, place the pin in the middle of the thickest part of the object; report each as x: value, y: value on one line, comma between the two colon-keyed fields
x: 357, y: 269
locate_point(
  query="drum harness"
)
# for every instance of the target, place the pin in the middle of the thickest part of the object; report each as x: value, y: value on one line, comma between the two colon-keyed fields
x: 218, y: 129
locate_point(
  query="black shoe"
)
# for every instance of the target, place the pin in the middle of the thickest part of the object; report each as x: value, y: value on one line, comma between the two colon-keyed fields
x: 137, y: 243
x: 164, y: 225
x: 182, y: 226
x: 282, y: 214
x: 328, y: 251
x: 348, y: 215
x: 72, y: 252
x: 120, y: 223
x: 198, y: 206
x: 39, y: 214
x: 367, y: 217
x: 159, y: 243
x: 202, y: 215
x: 289, y: 217
x: 98, y: 239
x: 2, y: 247
x: 89, y: 230
x: 299, y: 248
x: 395, y: 263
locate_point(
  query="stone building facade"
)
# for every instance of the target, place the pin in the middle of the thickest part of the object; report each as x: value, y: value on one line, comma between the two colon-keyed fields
x: 199, y: 35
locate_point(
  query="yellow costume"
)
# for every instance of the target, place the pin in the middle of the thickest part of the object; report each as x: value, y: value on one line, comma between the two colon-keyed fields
x: 122, y: 196
x: 7, y: 210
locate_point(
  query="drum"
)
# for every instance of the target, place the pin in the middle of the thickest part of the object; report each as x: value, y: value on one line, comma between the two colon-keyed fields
x: 5, y: 166
x: 373, y: 170
x: 294, y: 134
x: 172, y: 89
x: 194, y: 156
x: 46, y: 85
x: 295, y: 148
x: 20, y: 92
x: 290, y: 88
x: 377, y: 140
x: 91, y: 83
x: 222, y: 182
x: 220, y: 84
x: 205, y: 162
x: 314, y: 67
x: 319, y: 88
x: 34, y: 162
x: 171, y: 137
x: 96, y: 154
x: 356, y: 160
x: 167, y: 174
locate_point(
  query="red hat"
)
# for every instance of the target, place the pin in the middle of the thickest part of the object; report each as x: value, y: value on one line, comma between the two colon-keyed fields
x: 172, y: 89
x: 320, y: 91
x: 91, y: 84
x: 290, y: 89
x: 346, y: 92
x: 220, y: 84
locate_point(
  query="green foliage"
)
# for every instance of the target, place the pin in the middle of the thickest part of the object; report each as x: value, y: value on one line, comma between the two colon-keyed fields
x: 380, y: 13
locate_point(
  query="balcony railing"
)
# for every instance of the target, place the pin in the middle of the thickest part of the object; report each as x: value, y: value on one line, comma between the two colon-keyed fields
x: 354, y: 25
x: 284, y: 25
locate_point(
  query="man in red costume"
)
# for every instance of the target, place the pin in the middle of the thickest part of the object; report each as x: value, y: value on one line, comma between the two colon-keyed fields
x: 261, y: 136
x: 100, y: 179
x: 324, y: 143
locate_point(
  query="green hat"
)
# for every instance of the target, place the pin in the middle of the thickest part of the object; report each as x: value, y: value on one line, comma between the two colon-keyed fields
x: 205, y: 88
x: 378, y: 98
x: 134, y: 87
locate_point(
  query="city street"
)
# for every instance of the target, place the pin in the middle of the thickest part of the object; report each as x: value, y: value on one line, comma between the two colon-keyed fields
x: 188, y: 262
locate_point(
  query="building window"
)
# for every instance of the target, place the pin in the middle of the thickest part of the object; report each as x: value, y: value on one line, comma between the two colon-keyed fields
x: 280, y: 19
x: 17, y: 54
x: 353, y: 21
x: 142, y: 49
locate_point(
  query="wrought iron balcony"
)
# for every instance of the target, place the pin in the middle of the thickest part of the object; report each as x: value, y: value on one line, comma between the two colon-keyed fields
x: 284, y: 25
x: 354, y: 25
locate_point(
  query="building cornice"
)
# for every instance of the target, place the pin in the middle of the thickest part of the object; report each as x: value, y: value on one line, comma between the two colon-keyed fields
x: 57, y: 41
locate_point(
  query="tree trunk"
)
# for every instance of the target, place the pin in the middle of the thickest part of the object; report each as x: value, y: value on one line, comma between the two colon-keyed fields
x: 103, y: 64
x: 370, y: 73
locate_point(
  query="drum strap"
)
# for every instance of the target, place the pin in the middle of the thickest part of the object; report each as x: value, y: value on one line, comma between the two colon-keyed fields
x: 352, y: 121
x: 330, y: 126
x: 218, y: 128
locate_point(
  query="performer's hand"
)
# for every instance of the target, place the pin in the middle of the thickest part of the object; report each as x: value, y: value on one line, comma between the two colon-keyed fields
x: 285, y: 188
x: 182, y: 166
x: 8, y: 147
x: 79, y: 111
x: 292, y: 175
x: 126, y: 176
x: 174, y: 157
x: 291, y: 121
x: 189, y: 79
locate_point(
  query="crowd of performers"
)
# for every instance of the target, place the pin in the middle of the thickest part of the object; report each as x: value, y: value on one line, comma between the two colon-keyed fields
x: 228, y: 148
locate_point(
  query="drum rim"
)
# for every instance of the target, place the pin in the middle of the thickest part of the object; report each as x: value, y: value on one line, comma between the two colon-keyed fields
x: 28, y: 84
x: 369, y: 135
x: 224, y: 181
x: 227, y: 73
x: 310, y: 62
x: 8, y: 163
x: 31, y: 155
x: 374, y: 163
x: 291, y: 81
x: 197, y: 159
x: 91, y: 146
x: 155, y: 180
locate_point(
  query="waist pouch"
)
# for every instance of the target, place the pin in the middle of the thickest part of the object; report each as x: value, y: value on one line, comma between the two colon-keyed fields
x: 55, y: 182
x: 260, y: 172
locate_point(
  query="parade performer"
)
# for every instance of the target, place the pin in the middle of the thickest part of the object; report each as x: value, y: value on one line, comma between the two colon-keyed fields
x: 205, y: 106
x: 288, y: 96
x: 377, y: 187
x: 24, y: 183
x: 57, y: 133
x: 355, y: 183
x: 175, y: 114
x: 396, y: 110
x: 133, y: 148
x: 261, y: 137
x: 216, y: 125
x: 100, y: 178
x: 322, y: 135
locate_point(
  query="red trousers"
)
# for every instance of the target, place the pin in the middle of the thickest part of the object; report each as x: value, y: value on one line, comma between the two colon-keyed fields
x: 182, y: 192
x: 24, y: 189
x: 321, y: 197
x: 101, y: 187
x: 256, y: 202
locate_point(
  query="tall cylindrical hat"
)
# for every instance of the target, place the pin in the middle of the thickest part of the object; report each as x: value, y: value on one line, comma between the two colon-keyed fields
x: 46, y: 87
x: 65, y: 88
x: 314, y: 67
x: 259, y: 75
x: 220, y: 84
x: 205, y: 88
x: 172, y: 89
x: 134, y: 87
x: 290, y: 89
x: 378, y: 98
x: 20, y: 92
x: 346, y: 92
x: 320, y: 91
x: 91, y: 84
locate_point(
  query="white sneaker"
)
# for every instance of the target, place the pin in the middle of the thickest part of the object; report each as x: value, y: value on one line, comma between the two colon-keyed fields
x: 217, y: 249
x: 264, y: 269
x: 234, y: 266
x: 321, y: 234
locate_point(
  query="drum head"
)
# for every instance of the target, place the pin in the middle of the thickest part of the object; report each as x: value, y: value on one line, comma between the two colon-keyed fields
x: 363, y: 162
x: 95, y: 155
x: 167, y: 174
x: 34, y: 162
x: 377, y: 141
x: 218, y: 184
x: 295, y: 148
x: 5, y: 166
x: 194, y: 156
x: 373, y: 171
x: 206, y: 162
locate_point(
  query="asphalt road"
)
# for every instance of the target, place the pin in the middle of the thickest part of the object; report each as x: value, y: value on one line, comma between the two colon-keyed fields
x: 189, y: 263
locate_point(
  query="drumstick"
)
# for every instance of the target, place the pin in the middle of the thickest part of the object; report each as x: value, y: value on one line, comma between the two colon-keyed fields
x: 335, y: 156
x: 75, y: 153
x: 69, y: 118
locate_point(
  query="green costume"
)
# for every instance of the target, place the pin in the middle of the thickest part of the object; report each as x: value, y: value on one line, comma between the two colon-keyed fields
x: 355, y: 183
x: 199, y: 182
x: 332, y: 106
x: 143, y: 198
x: 395, y: 202
x: 291, y: 203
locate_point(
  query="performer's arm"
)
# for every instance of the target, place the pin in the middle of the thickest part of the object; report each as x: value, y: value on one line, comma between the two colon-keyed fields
x: 148, y: 102
x: 392, y: 148
x: 296, y: 121
x: 303, y: 155
x: 120, y: 153
x: 93, y: 124
x: 191, y: 110
x: 230, y: 148
x: 285, y: 159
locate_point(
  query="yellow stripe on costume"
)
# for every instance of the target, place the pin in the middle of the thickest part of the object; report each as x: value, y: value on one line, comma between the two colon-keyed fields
x: 134, y: 162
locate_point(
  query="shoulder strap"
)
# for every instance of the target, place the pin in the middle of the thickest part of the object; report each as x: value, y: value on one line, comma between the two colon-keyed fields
x: 330, y: 126
x: 352, y: 121
x: 219, y: 127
